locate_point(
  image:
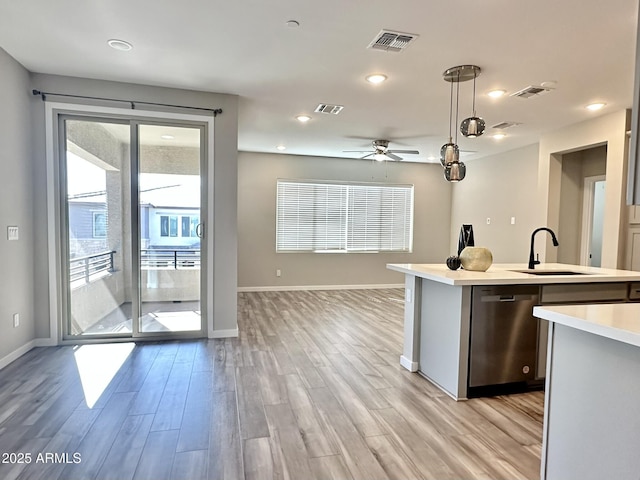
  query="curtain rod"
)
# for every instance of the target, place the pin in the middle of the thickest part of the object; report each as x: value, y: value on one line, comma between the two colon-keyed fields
x: 215, y: 111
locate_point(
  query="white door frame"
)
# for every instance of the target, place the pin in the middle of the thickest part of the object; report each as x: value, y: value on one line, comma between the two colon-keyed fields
x: 587, y: 216
x: 52, y: 112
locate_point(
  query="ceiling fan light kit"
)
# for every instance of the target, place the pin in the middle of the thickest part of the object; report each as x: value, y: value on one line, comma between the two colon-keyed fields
x: 381, y: 151
x: 454, y: 169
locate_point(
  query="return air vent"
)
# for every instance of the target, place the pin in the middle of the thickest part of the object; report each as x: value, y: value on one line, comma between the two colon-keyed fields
x: 531, y: 91
x: 326, y: 108
x: 392, y: 41
x: 504, y: 125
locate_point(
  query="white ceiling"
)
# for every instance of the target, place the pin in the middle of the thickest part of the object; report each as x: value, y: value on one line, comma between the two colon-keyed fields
x: 245, y: 48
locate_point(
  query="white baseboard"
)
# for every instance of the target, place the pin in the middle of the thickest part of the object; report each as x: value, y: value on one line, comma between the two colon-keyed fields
x: 45, y: 342
x: 17, y: 353
x: 319, y: 287
x: 408, y: 364
x: 230, y: 333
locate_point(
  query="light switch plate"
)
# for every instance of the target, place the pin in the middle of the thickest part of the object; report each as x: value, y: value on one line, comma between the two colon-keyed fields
x: 12, y: 233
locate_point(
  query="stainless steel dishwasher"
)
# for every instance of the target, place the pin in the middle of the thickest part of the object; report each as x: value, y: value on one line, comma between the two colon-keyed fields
x: 504, y: 336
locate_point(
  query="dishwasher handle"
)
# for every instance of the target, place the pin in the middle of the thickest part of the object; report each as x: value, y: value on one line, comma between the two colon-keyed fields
x: 507, y: 298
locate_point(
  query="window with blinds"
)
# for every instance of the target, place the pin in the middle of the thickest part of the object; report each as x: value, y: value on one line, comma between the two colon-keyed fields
x: 343, y: 217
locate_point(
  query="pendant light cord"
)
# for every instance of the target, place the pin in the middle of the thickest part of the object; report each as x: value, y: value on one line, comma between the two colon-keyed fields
x: 474, y: 95
x: 457, y: 103
x: 450, y: 111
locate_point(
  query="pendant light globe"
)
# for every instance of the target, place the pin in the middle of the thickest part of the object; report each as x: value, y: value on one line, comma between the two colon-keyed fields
x: 449, y: 153
x: 472, y: 127
x: 455, y: 172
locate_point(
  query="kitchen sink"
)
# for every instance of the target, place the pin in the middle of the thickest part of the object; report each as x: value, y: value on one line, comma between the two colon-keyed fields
x: 550, y: 272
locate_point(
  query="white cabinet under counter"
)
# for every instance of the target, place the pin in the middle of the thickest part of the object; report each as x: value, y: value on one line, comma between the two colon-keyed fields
x: 438, y: 311
x: 592, y: 414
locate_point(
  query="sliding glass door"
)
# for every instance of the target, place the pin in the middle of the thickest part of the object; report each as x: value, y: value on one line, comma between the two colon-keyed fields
x: 170, y: 228
x: 131, y: 215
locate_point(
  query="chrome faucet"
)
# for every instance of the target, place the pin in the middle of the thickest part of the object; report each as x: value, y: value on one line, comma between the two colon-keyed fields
x: 534, y: 261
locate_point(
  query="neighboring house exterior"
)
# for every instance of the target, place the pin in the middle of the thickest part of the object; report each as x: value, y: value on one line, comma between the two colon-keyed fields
x: 161, y: 227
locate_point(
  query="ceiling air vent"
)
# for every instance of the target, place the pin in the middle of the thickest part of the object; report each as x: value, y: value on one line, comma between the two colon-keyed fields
x: 391, y: 41
x: 326, y: 108
x: 531, y: 91
x: 504, y: 125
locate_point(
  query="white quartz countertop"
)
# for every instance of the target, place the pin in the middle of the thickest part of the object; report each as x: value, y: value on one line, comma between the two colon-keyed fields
x: 504, y: 274
x: 617, y: 321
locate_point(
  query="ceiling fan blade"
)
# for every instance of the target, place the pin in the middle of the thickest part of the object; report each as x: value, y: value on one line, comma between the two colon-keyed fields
x: 356, y: 151
x: 369, y: 155
x: 392, y: 156
x: 412, y: 152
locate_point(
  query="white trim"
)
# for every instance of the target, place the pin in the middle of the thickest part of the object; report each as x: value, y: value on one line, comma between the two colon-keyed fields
x: 547, y: 403
x: 319, y: 287
x: 408, y: 364
x: 45, y: 342
x: 209, y: 232
x: 588, y: 193
x: 17, y: 353
x: 232, y: 332
x: 52, y: 109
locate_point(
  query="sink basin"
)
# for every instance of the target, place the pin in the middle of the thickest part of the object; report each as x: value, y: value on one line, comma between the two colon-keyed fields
x: 550, y: 272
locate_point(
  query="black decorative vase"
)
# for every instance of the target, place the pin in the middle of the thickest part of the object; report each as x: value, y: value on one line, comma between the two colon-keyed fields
x: 453, y: 262
x: 466, y: 238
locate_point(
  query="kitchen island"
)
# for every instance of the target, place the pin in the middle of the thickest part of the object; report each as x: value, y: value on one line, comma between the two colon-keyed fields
x: 438, y: 319
x: 592, y: 414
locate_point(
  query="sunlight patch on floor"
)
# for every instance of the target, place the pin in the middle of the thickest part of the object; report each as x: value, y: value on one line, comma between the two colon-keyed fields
x: 97, y: 365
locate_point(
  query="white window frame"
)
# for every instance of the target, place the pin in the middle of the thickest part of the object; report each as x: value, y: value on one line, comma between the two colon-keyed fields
x: 343, y: 217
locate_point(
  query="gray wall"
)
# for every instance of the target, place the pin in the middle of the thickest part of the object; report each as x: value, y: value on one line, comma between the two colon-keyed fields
x: 257, y: 257
x: 16, y: 207
x: 576, y: 166
x: 225, y: 181
x: 499, y: 187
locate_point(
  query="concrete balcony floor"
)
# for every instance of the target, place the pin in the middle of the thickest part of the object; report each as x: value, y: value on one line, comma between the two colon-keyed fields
x: 179, y: 316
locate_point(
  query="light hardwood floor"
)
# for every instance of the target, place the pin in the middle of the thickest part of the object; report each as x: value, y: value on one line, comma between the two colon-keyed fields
x: 311, y: 389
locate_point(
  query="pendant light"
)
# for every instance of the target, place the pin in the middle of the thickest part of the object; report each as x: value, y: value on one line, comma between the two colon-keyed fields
x: 449, y: 151
x: 454, y: 169
x: 473, y: 126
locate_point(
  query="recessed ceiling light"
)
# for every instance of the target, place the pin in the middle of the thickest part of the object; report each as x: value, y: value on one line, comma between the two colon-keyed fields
x: 595, y: 106
x: 281, y: 147
x: 496, y: 93
x: 167, y: 137
x: 303, y: 118
x: 376, y: 78
x: 119, y: 45
x: 499, y: 136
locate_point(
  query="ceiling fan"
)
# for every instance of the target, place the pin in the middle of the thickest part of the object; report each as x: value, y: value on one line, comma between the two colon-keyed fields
x: 382, y: 152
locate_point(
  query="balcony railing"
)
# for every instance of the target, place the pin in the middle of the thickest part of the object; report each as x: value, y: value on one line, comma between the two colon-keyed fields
x: 168, y: 258
x: 83, y: 269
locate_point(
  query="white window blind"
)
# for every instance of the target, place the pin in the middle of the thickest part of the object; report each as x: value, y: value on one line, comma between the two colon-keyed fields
x: 343, y: 217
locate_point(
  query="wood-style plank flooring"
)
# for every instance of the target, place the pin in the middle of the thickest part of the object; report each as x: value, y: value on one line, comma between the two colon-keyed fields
x: 311, y: 389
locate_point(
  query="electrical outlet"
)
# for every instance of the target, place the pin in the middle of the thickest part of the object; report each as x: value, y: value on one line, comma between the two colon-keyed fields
x: 16, y: 320
x: 278, y: 273
x: 488, y: 221
x: 513, y: 220
x: 12, y: 233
